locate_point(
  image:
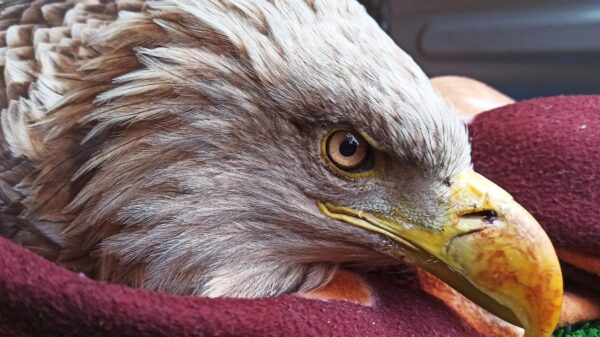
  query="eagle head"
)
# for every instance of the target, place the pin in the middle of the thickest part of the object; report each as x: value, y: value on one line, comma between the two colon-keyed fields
x: 251, y: 148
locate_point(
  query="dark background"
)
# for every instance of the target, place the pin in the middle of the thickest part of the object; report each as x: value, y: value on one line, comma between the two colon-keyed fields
x: 524, y: 48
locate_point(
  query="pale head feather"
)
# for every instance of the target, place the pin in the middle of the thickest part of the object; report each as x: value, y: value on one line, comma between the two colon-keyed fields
x: 176, y: 145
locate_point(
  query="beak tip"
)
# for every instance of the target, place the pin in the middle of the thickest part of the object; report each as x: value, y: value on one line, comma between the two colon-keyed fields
x: 516, y: 264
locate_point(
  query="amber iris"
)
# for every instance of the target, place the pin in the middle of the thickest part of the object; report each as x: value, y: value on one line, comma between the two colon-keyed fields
x: 348, y: 151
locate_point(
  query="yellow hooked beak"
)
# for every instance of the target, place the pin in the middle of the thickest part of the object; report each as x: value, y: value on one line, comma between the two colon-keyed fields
x: 491, y: 250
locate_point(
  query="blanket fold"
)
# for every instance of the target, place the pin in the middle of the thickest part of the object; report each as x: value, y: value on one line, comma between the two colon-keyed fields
x: 39, y: 298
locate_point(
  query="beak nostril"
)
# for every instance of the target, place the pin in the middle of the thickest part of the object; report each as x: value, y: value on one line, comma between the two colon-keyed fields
x: 488, y: 216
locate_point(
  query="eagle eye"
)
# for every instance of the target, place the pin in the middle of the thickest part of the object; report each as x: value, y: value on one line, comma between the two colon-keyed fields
x: 348, y: 153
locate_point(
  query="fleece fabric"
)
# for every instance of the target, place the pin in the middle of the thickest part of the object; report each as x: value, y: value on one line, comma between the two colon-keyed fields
x: 546, y: 153
x: 41, y: 299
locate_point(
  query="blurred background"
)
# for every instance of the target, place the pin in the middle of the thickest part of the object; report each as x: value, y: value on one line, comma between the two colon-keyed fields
x: 524, y: 48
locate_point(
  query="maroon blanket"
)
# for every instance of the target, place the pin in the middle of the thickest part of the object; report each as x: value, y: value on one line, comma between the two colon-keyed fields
x: 546, y: 152
x: 38, y: 298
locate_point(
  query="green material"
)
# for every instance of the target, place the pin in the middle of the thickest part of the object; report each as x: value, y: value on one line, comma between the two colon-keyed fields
x: 584, y: 329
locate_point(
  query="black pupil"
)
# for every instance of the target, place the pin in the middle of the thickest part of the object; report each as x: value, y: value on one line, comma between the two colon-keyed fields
x: 349, y: 146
